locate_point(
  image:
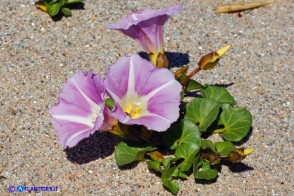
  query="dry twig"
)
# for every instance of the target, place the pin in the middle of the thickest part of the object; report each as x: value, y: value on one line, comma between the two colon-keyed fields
x: 241, y: 7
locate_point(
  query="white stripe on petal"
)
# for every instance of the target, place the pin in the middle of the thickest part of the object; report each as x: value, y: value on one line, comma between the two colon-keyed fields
x: 75, y: 135
x: 75, y: 119
x: 126, y: 119
x: 153, y: 92
x: 156, y: 115
x: 94, y: 106
x: 131, y: 81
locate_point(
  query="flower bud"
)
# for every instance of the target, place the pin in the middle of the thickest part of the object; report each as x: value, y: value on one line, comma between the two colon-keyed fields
x: 210, y: 60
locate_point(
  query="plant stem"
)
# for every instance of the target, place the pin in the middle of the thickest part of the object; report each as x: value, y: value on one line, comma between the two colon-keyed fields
x: 186, y: 81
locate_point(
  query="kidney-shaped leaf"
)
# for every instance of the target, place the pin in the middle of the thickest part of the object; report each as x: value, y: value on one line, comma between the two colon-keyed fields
x: 182, y: 132
x: 205, y: 172
x: 187, y: 151
x: 53, y: 9
x: 154, y: 165
x: 190, y: 133
x: 193, y: 85
x: 218, y: 94
x: 208, y: 174
x: 167, y: 179
x: 207, y: 144
x: 202, y: 112
x: 224, y: 148
x: 125, y: 154
x: 73, y: 1
x: 236, y: 122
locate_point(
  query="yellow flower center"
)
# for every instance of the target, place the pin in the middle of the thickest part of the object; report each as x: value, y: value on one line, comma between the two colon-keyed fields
x: 134, y: 110
x: 134, y: 106
x: 159, y: 59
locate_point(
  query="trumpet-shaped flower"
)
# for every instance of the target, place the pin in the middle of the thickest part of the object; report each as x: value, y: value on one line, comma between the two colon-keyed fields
x: 146, y: 27
x: 143, y: 94
x: 79, y: 112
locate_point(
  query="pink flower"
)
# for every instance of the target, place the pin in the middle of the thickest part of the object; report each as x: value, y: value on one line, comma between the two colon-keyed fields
x: 79, y: 112
x: 143, y: 94
x: 146, y: 27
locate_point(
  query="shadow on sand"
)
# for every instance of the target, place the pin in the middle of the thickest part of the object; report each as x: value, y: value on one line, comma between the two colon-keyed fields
x: 176, y: 59
x: 98, y: 145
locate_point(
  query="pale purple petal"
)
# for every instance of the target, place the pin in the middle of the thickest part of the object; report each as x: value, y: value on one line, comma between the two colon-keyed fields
x: 118, y: 75
x: 146, y: 27
x: 119, y: 83
x: 146, y: 96
x: 79, y: 112
x: 143, y: 15
x: 109, y: 120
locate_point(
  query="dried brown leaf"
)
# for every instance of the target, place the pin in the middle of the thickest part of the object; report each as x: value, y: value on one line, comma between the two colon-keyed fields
x: 240, y: 7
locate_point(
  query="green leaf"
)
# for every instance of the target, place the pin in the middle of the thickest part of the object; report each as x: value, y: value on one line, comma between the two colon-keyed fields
x: 197, y: 163
x: 66, y: 11
x: 218, y: 94
x: 182, y: 95
x: 167, y: 180
x: 187, y: 151
x: 172, y: 135
x: 182, y: 132
x: 182, y: 78
x: 125, y: 154
x: 192, y: 85
x: 167, y: 162
x: 224, y: 148
x: 51, y: 1
x: 190, y: 133
x: 236, y: 122
x: 154, y: 165
x: 182, y: 175
x: 202, y: 112
x: 207, y: 144
x: 206, y: 173
x: 53, y: 9
x: 72, y: 1
x: 110, y: 103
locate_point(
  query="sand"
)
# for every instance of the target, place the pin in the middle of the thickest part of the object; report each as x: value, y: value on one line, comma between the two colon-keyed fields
x: 38, y: 54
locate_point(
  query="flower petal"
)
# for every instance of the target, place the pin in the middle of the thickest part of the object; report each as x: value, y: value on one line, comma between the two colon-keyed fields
x: 142, y: 15
x: 143, y: 94
x: 109, y: 120
x: 79, y: 112
x: 146, y: 27
x: 122, y: 74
